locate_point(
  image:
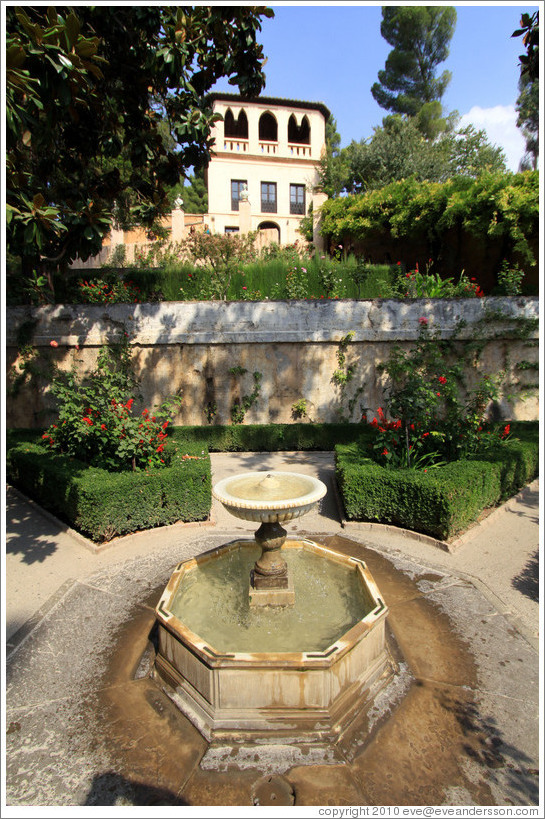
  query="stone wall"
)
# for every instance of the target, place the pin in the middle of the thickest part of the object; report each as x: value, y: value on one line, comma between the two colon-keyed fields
x: 190, y: 347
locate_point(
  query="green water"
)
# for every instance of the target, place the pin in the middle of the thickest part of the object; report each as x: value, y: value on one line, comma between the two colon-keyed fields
x: 213, y: 602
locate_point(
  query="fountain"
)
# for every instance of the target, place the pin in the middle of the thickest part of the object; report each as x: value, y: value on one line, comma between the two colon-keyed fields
x: 273, y: 638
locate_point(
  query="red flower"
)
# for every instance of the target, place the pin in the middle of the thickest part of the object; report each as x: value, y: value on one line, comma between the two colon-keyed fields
x: 506, y: 431
x: 53, y: 344
x: 442, y: 379
x: 88, y: 421
x: 103, y: 426
x: 423, y: 321
x: 438, y: 394
x: 385, y: 451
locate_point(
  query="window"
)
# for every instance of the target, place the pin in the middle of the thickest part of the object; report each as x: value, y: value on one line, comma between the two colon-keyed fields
x: 299, y: 134
x: 268, y: 128
x: 268, y: 197
x: 297, y: 199
x: 231, y: 229
x: 236, y: 188
x: 236, y: 128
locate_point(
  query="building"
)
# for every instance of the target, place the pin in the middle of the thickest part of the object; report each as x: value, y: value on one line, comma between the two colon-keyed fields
x: 262, y: 176
x: 263, y: 173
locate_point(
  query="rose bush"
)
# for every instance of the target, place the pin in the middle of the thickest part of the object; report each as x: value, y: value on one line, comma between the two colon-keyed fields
x: 96, y: 423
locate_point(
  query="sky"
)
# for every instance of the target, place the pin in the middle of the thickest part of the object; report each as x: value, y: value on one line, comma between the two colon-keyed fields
x: 332, y: 53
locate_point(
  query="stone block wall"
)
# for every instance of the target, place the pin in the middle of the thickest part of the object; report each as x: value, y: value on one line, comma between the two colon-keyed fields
x: 190, y: 348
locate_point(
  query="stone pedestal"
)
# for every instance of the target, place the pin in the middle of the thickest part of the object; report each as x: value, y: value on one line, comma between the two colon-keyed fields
x: 244, y: 216
x: 270, y: 584
x: 318, y: 199
x: 178, y: 225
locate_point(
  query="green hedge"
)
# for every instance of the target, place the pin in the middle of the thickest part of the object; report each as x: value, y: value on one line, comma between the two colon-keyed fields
x: 102, y: 504
x: 269, y: 437
x: 440, y: 502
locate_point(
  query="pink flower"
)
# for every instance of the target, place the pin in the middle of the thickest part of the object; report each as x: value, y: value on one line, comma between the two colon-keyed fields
x: 423, y: 321
x: 244, y: 288
x: 53, y: 344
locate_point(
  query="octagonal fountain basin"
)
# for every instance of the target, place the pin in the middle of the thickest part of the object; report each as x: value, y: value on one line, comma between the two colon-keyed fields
x: 300, y: 671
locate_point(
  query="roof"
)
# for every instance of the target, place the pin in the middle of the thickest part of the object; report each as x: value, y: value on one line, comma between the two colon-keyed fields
x: 314, y: 106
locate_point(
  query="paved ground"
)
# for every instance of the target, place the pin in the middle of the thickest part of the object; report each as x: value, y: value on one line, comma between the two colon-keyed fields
x: 87, y: 726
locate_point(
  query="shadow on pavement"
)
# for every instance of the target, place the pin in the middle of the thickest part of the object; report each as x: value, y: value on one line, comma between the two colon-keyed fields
x: 527, y: 582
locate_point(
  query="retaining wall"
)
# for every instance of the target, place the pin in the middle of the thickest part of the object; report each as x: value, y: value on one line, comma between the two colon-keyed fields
x: 189, y: 347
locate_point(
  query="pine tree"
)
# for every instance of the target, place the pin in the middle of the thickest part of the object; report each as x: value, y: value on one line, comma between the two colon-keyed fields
x: 408, y: 85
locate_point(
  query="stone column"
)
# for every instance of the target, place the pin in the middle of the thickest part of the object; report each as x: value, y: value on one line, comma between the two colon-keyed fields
x: 318, y: 199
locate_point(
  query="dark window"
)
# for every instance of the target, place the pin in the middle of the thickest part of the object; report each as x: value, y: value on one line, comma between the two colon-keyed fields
x: 235, y: 128
x: 268, y: 197
x: 231, y: 229
x: 268, y: 128
x: 297, y: 199
x: 236, y: 188
x: 301, y: 134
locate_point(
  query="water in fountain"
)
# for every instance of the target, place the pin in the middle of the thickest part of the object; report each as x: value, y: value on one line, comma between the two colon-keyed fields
x: 213, y: 602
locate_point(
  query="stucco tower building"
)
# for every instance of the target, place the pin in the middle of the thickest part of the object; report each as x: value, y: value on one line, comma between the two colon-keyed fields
x: 263, y: 173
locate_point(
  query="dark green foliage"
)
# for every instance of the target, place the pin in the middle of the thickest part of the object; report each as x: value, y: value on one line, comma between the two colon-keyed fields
x: 420, y: 36
x: 102, y: 504
x: 107, y: 110
x: 268, y: 438
x: 440, y: 502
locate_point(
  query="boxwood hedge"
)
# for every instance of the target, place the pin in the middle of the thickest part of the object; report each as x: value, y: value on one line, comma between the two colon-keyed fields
x: 102, y: 504
x: 440, y: 502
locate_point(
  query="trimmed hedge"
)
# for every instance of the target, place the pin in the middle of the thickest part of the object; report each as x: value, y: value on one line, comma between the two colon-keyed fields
x: 440, y: 502
x: 102, y: 504
x: 269, y: 437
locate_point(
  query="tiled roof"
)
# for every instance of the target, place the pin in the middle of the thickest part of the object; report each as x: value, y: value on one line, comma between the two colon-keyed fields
x: 315, y: 106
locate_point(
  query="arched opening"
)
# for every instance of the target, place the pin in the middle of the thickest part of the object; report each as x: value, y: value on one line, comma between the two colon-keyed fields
x: 299, y: 134
x: 235, y: 128
x: 268, y: 127
x: 268, y: 233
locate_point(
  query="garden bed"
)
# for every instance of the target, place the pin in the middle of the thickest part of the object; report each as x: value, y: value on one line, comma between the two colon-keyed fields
x: 440, y: 502
x: 102, y: 504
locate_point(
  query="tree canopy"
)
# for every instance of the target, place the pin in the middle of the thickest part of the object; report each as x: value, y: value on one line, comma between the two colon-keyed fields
x: 398, y: 150
x: 88, y: 92
x: 408, y: 84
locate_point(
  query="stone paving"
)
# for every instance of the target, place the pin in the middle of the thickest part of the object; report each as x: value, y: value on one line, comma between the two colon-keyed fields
x: 87, y: 723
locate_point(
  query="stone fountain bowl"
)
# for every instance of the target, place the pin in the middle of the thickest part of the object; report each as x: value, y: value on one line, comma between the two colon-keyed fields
x: 269, y: 497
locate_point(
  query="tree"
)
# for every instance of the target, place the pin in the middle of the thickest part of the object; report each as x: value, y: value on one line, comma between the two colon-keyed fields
x: 408, y: 85
x: 195, y: 193
x: 529, y: 31
x: 86, y: 92
x: 398, y: 150
x: 332, y: 168
x: 528, y: 119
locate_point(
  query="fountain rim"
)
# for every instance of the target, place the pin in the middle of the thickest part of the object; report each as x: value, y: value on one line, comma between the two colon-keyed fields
x: 221, y: 493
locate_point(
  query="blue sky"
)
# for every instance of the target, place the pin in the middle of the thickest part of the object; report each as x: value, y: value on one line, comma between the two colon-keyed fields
x: 332, y: 53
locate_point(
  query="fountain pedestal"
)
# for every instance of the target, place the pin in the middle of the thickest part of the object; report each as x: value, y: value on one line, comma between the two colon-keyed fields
x: 270, y: 582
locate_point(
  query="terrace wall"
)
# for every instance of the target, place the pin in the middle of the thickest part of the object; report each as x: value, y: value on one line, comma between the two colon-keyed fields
x: 190, y: 347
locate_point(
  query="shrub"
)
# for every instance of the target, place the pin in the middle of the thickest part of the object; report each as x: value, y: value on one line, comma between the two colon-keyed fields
x: 439, y: 502
x: 95, y: 422
x: 103, y: 504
